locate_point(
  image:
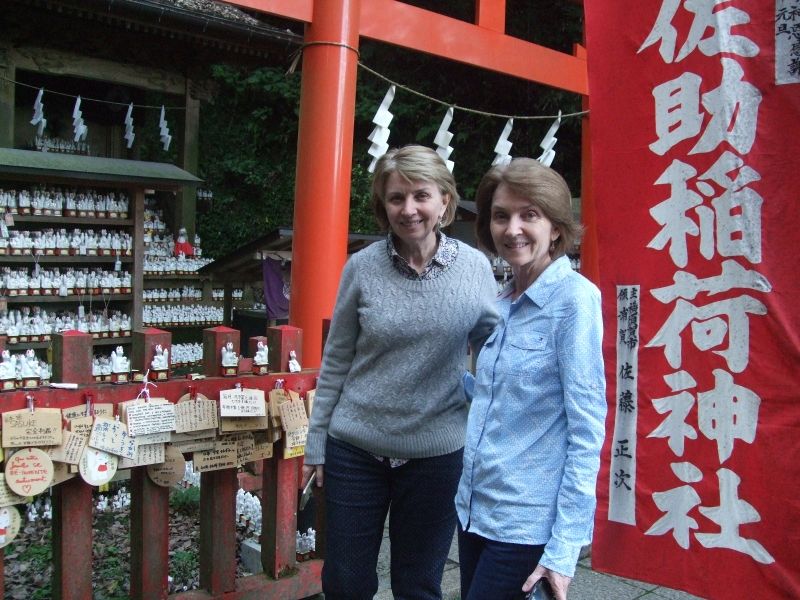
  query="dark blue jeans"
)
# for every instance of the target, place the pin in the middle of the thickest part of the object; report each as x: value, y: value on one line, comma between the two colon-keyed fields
x: 359, y: 491
x: 494, y: 570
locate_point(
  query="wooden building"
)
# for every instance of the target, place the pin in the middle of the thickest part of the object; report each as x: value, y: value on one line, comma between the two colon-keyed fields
x: 149, y: 52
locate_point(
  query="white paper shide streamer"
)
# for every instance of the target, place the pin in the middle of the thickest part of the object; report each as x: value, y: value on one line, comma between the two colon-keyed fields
x: 78, y: 126
x: 380, y: 135
x: 549, y: 142
x: 163, y: 129
x: 443, y: 139
x: 503, y: 147
x: 38, y: 114
x: 129, y: 135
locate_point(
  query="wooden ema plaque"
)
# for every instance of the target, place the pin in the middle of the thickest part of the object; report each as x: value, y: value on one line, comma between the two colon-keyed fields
x: 169, y: 472
x: 29, y: 472
x: 9, y: 525
x: 97, y: 467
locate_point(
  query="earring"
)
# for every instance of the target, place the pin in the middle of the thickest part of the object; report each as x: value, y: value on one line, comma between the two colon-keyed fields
x: 552, y: 246
x: 440, y: 224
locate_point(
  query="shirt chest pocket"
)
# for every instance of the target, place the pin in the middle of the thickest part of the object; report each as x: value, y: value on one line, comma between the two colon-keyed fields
x: 490, y: 341
x: 528, y: 353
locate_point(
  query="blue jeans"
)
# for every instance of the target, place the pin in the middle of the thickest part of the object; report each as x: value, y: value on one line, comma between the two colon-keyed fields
x: 359, y: 491
x: 494, y: 570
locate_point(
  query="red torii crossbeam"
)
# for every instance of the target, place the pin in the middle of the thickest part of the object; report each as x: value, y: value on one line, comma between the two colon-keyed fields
x: 327, y: 105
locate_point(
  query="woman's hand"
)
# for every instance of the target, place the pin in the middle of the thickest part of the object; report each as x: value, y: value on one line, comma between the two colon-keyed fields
x: 308, y: 470
x: 558, y: 582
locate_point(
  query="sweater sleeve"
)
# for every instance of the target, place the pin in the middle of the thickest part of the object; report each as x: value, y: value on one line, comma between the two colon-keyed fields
x: 337, y: 358
x: 487, y: 296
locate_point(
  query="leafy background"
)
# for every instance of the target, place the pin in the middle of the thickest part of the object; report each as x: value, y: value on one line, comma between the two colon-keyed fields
x: 248, y: 129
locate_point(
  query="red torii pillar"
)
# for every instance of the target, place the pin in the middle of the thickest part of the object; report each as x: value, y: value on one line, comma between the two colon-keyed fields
x: 327, y: 105
x: 324, y: 167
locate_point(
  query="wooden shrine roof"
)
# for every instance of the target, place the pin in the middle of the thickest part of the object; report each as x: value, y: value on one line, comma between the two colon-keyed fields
x: 207, y: 22
x: 244, y: 264
x: 56, y: 166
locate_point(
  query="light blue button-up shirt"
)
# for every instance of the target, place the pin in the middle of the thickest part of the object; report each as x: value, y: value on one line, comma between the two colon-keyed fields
x: 536, y: 424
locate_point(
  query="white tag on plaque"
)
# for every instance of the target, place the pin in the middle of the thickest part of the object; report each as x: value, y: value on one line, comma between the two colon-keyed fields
x: 242, y: 403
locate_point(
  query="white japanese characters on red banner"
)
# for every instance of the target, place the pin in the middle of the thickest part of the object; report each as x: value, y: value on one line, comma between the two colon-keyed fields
x: 692, y: 152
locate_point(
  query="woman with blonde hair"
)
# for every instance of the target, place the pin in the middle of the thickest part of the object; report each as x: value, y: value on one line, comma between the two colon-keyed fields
x: 387, y: 429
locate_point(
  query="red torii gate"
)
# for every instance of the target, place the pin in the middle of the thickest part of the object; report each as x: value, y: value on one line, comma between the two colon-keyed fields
x: 327, y: 105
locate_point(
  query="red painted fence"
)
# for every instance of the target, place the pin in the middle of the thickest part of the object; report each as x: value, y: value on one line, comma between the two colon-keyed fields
x: 284, y: 578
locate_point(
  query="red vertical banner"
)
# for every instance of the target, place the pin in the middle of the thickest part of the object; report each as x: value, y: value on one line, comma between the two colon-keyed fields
x: 695, y: 112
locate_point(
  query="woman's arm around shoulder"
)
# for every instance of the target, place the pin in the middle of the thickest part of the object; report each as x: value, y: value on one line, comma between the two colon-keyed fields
x: 486, y: 296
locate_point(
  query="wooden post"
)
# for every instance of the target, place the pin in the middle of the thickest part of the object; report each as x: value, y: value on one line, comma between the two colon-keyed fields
x: 72, y: 357
x: 7, y: 97
x: 144, y: 346
x: 149, y: 533
x: 214, y: 338
x: 491, y: 14
x: 72, y: 540
x: 218, y: 531
x: 279, y: 515
x: 282, y: 340
x: 137, y: 212
x: 186, y: 200
x: 227, y: 304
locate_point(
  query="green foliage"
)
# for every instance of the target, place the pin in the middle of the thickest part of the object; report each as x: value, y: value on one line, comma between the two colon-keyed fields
x: 184, y: 565
x: 34, y: 552
x: 43, y: 593
x: 248, y: 133
x: 38, y: 556
x: 248, y: 155
x: 111, y: 571
x: 185, y: 500
x: 361, y: 216
x: 248, y: 138
x: 416, y: 119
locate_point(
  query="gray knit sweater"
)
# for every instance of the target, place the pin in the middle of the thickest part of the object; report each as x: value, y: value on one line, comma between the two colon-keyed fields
x: 390, y: 381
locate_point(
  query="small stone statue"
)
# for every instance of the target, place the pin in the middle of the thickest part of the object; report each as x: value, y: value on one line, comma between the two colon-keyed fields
x: 160, y: 360
x: 229, y: 356
x: 119, y: 363
x: 182, y: 245
x: 8, y: 368
x: 262, y: 354
x: 294, y: 365
x: 29, y: 365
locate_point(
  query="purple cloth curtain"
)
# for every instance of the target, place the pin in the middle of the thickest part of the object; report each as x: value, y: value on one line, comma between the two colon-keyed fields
x: 277, y: 303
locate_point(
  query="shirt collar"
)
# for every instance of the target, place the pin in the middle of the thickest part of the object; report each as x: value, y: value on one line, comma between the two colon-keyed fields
x: 440, y: 258
x: 539, y: 291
